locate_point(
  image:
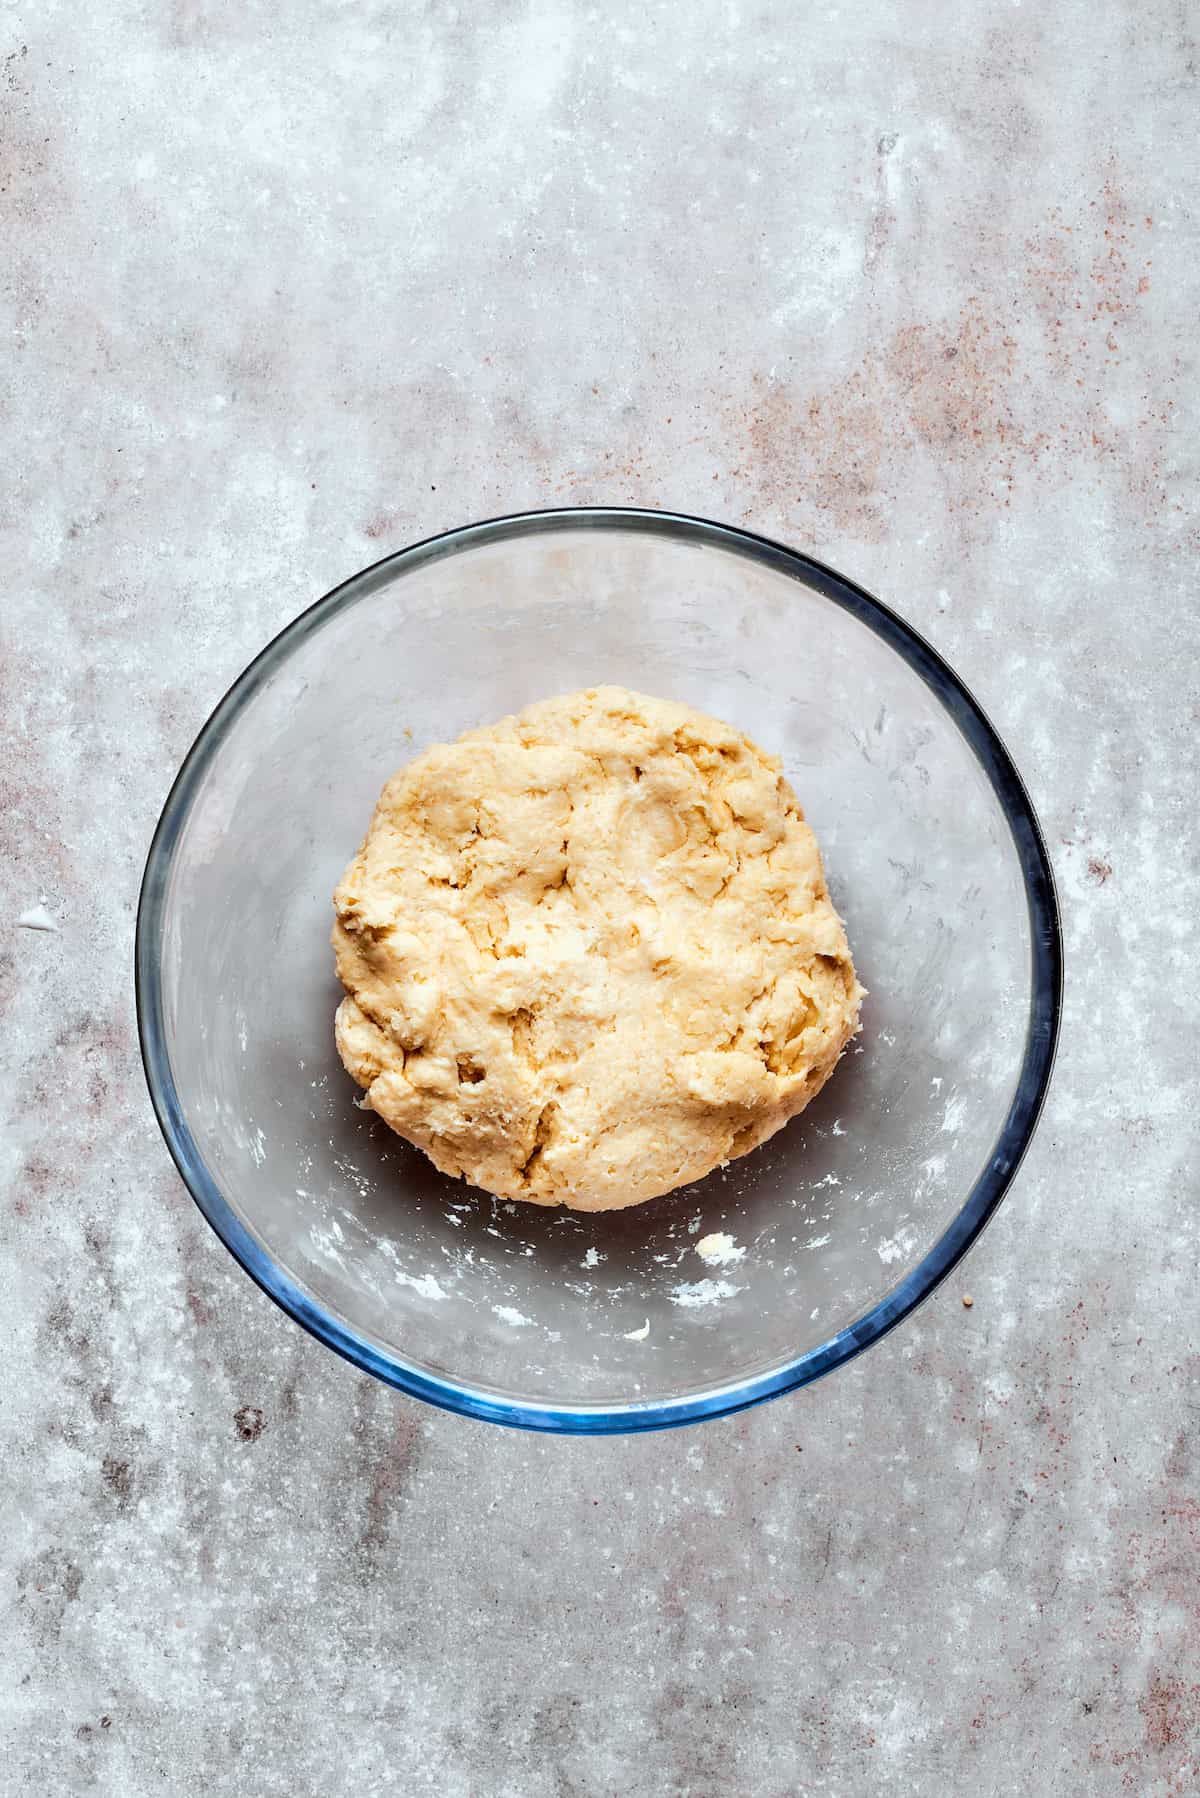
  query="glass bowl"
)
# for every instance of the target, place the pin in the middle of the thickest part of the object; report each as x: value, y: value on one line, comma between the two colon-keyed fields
x: 843, y: 1222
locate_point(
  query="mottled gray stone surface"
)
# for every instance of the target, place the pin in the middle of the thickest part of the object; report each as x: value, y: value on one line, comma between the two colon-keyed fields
x: 908, y: 285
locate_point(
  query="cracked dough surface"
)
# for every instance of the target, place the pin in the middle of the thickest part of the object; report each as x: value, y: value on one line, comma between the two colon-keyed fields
x: 589, y: 953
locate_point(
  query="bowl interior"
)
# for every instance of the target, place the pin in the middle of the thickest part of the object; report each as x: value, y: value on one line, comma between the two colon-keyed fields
x: 512, y: 1303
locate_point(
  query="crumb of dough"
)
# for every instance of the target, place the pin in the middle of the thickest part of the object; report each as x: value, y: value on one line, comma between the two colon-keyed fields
x: 719, y: 1249
x: 968, y: 1301
x: 589, y: 954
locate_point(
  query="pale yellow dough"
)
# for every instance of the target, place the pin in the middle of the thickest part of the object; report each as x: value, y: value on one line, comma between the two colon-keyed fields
x: 589, y: 953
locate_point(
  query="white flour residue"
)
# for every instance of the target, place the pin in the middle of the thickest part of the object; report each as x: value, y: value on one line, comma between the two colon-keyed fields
x: 323, y: 1244
x: 424, y: 1285
x: 258, y: 1148
x: 509, y: 1315
x: 593, y: 1259
x: 638, y: 1335
x: 719, y: 1249
x: 350, y: 1172
x: 37, y: 918
x: 896, y: 1248
x: 956, y: 1107
x: 703, y: 1292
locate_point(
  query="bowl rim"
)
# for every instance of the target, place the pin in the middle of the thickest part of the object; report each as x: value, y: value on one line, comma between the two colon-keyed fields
x: 909, y: 1292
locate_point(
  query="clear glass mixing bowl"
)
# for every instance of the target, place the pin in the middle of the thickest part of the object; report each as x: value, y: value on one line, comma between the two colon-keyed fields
x: 846, y: 1220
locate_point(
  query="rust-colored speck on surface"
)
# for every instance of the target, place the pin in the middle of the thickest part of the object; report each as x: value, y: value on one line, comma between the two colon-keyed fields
x: 1171, y: 1713
x: 202, y: 1312
x: 118, y: 1479
x: 249, y: 1422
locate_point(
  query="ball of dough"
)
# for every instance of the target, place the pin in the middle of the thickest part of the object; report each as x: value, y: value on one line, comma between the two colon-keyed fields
x: 589, y: 953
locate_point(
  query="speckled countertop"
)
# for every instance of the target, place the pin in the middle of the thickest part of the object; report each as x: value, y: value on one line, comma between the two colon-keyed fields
x: 905, y: 285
